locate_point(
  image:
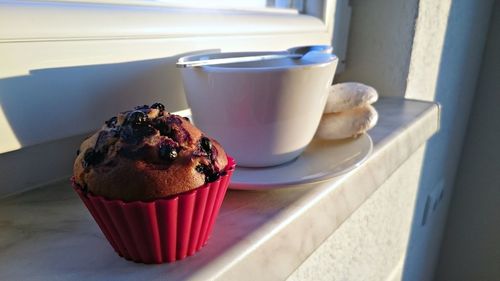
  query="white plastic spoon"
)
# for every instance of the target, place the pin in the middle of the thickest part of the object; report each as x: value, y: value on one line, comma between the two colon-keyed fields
x: 315, y: 56
x: 235, y: 60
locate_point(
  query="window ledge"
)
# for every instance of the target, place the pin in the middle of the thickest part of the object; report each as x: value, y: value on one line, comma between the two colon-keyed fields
x: 251, y: 227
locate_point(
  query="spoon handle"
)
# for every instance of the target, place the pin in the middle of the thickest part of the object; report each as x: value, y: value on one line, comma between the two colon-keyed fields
x: 236, y: 59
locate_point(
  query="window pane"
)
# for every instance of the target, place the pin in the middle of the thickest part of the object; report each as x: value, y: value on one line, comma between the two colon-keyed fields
x: 217, y: 3
x: 227, y: 4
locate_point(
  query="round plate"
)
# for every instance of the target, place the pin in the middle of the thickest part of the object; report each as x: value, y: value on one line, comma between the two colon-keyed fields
x: 321, y: 160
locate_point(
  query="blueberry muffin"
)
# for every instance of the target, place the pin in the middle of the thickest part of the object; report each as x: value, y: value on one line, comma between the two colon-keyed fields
x: 146, y: 154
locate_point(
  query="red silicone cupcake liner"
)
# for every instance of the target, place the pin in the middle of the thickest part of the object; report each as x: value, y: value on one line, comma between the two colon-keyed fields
x: 163, y: 230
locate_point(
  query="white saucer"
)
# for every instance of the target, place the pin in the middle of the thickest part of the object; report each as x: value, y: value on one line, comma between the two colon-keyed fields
x: 320, y: 161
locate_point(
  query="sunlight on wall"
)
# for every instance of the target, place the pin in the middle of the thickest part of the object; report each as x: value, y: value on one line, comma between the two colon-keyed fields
x: 8, y: 140
x: 427, y: 49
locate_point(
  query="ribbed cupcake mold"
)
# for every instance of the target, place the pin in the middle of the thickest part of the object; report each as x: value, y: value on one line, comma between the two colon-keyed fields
x: 162, y: 230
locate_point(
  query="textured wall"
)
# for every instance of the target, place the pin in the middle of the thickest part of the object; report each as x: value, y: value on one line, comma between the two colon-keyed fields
x: 380, y: 39
x: 471, y: 244
x: 445, y: 61
x: 371, y: 244
x: 436, y: 57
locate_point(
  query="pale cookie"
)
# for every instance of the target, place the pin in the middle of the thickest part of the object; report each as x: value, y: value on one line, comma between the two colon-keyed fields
x: 347, y: 124
x: 345, y: 96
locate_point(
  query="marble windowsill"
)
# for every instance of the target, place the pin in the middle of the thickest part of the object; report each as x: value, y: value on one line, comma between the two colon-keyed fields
x: 47, y: 234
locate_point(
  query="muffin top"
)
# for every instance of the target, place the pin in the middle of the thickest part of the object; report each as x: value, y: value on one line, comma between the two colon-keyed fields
x: 146, y: 154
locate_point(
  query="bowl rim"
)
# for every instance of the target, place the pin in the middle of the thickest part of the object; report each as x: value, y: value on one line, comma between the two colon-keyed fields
x: 221, y: 68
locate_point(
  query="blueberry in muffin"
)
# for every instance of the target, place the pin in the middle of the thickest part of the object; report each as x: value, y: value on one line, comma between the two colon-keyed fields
x: 146, y: 154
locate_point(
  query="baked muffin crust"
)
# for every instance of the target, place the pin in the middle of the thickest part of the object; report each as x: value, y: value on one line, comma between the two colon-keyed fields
x: 146, y: 154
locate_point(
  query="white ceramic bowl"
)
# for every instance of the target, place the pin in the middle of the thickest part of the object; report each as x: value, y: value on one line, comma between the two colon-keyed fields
x: 264, y: 113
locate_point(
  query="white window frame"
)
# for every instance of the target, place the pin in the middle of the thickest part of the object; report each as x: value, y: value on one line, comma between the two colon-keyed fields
x: 66, y: 27
x: 42, y: 34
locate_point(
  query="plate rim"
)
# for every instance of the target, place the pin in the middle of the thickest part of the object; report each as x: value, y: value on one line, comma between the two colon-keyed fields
x: 293, y: 183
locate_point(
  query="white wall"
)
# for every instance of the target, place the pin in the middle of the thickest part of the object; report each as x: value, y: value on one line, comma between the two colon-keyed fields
x: 471, y: 244
x: 380, y: 42
x: 371, y: 244
x: 447, y: 51
x: 427, y: 50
